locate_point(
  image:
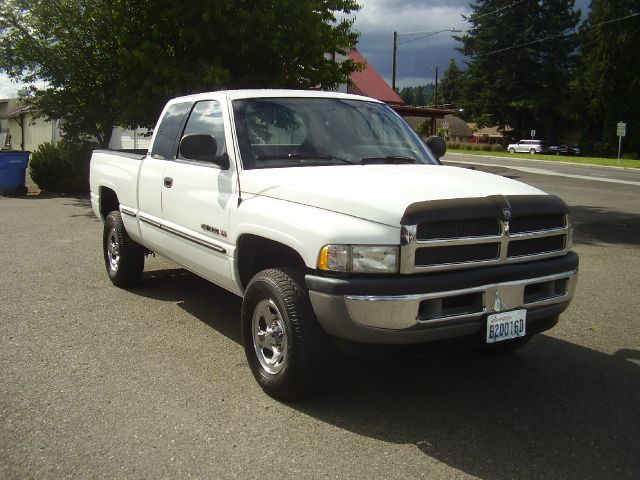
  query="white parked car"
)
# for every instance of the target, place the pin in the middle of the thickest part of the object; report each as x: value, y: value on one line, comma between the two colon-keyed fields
x: 528, y: 146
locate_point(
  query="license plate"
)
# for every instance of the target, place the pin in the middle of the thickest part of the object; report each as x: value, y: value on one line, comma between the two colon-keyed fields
x: 506, y: 325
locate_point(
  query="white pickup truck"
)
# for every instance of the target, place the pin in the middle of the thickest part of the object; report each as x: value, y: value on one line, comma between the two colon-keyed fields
x: 333, y: 220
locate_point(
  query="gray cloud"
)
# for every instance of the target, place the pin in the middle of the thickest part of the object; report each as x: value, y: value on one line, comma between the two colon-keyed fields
x: 416, y: 60
x: 416, y: 56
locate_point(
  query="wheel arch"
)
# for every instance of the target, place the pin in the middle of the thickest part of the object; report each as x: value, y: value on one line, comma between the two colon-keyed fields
x: 109, y: 201
x: 255, y: 253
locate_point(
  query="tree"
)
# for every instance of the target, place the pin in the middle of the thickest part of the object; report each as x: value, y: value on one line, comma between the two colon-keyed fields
x: 419, y: 95
x: 608, y: 81
x: 70, y: 45
x: 520, y: 62
x: 451, y: 85
x: 108, y: 63
x: 202, y: 45
x: 407, y: 95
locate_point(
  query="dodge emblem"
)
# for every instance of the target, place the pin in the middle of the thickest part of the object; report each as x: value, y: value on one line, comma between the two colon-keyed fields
x: 506, y: 213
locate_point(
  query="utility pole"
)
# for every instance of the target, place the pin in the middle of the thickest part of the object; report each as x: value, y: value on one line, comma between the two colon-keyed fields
x: 395, y: 50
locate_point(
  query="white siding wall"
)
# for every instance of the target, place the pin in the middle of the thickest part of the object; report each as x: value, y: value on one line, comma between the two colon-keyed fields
x: 36, y: 132
x: 130, y: 139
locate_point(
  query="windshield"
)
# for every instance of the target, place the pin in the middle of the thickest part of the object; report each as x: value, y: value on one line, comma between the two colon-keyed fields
x: 294, y: 132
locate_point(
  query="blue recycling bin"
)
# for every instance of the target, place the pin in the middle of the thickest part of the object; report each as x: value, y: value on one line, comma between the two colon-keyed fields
x: 13, y: 167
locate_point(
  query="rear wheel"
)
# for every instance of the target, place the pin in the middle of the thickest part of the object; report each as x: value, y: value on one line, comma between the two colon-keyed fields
x: 289, y: 354
x: 532, y: 151
x: 123, y: 258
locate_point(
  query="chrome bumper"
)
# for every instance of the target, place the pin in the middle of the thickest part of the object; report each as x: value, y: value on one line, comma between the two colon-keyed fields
x: 439, y: 315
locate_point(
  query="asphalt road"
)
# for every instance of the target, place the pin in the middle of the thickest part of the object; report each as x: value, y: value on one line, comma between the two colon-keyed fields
x: 98, y: 382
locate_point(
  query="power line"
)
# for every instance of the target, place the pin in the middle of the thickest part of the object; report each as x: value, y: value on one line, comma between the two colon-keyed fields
x: 551, y: 37
x: 560, y: 35
x: 471, y: 17
x: 452, y: 30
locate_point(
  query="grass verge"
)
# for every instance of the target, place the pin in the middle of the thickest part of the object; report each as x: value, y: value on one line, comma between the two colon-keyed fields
x: 608, y: 162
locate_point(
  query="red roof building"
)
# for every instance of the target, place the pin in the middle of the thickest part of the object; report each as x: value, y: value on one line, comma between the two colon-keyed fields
x: 369, y: 83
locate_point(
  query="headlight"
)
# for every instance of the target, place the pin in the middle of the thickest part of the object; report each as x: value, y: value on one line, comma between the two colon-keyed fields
x: 359, y: 258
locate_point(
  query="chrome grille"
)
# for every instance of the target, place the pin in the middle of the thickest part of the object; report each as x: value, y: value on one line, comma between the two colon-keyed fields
x: 540, y: 222
x: 449, y: 245
x: 481, y: 227
x: 456, y: 254
x: 533, y: 246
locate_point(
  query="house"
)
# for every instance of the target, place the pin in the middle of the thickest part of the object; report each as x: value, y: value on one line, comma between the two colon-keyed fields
x: 368, y: 82
x: 456, y: 129
x: 21, y: 129
x: 490, y: 135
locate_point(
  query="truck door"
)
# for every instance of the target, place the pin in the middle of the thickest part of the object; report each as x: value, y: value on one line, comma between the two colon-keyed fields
x: 196, y: 198
x: 152, y: 174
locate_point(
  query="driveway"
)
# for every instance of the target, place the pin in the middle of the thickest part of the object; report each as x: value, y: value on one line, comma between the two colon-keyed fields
x: 99, y: 382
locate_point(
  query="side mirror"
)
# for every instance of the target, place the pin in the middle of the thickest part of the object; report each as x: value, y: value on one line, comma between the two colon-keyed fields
x: 202, y: 147
x: 437, y: 145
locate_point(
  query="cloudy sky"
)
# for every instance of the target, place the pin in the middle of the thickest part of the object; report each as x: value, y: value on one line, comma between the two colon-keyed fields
x: 376, y: 22
x: 417, y: 55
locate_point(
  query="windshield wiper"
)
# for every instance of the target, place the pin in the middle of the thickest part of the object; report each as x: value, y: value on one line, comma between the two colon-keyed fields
x: 395, y: 159
x: 302, y: 156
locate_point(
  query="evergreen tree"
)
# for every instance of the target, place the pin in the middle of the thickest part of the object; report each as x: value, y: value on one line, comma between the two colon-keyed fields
x: 450, y: 88
x: 609, y: 79
x: 520, y: 60
x: 407, y: 95
x: 419, y: 96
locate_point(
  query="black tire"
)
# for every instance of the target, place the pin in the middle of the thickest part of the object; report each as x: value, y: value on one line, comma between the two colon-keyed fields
x: 512, y: 150
x: 532, y: 151
x: 289, y: 353
x: 123, y: 258
x: 508, y: 346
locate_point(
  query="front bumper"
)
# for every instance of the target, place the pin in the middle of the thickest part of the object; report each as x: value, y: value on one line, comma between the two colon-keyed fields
x: 425, y: 308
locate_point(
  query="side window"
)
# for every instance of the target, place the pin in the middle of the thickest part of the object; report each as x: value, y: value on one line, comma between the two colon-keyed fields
x: 164, y: 145
x: 206, y: 118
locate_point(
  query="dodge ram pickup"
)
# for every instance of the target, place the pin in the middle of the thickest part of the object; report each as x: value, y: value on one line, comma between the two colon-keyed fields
x: 333, y: 219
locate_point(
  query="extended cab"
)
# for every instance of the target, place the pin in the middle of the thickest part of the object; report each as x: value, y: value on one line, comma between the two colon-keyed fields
x: 333, y: 220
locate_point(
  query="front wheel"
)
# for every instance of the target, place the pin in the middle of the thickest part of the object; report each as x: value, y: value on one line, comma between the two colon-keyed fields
x: 289, y: 354
x: 512, y: 150
x: 123, y: 257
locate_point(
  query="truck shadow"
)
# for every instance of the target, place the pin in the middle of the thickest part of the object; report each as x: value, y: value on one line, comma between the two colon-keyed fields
x: 552, y: 410
x: 594, y: 225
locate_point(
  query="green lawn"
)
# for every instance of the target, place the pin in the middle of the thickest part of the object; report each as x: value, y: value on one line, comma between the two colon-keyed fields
x: 557, y: 158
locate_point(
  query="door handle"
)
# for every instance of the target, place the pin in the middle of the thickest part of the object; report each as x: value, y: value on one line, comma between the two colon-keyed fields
x: 168, y: 182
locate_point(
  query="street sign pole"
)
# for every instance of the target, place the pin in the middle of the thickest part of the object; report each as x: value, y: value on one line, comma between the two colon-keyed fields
x: 622, y: 131
x: 619, y: 147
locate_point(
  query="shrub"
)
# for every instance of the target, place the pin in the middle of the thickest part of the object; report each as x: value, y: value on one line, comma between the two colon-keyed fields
x: 497, y: 148
x: 485, y: 147
x: 454, y: 145
x: 62, y: 168
x: 604, y: 149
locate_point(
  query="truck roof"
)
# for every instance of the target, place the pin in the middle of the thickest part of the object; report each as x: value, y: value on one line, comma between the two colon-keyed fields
x: 273, y: 93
